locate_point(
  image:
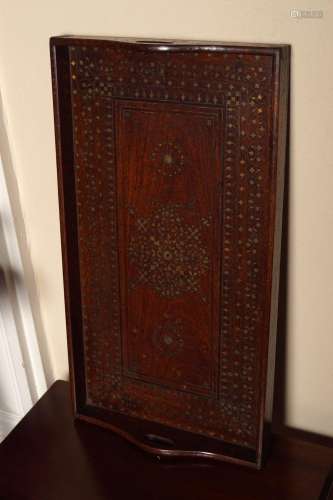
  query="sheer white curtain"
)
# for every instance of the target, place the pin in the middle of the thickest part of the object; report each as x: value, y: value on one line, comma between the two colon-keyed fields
x: 22, y: 379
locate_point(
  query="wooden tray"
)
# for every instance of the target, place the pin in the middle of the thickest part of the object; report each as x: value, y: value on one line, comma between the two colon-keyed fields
x: 170, y: 165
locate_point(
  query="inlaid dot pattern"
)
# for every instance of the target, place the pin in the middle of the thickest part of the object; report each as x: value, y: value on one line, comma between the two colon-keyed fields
x: 239, y: 85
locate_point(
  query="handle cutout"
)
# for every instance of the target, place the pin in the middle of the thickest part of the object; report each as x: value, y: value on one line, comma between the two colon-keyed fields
x: 160, y: 440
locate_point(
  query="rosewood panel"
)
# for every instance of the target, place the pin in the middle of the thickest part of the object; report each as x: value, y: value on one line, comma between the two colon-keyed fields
x: 171, y: 213
x: 169, y: 220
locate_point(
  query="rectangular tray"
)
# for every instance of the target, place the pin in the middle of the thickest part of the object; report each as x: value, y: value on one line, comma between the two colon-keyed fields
x: 170, y: 165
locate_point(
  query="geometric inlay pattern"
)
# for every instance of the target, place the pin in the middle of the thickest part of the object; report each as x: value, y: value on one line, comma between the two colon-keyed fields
x: 168, y: 158
x: 241, y: 85
x: 168, y: 253
x: 168, y: 337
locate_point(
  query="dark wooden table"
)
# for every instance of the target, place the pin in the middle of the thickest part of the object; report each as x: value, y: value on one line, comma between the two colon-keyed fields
x: 49, y: 457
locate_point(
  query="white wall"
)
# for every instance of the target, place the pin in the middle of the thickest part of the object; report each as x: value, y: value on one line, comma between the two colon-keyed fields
x: 26, y: 93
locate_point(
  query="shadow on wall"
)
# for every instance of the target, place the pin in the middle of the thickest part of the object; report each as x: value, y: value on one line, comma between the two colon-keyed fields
x: 279, y: 413
x: 16, y: 278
